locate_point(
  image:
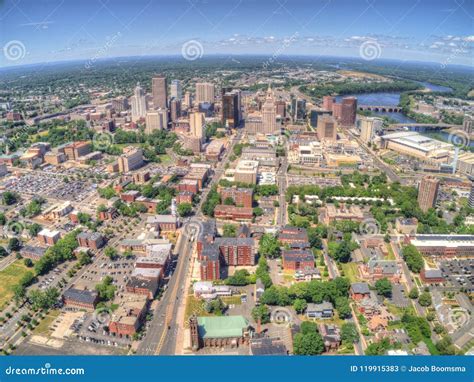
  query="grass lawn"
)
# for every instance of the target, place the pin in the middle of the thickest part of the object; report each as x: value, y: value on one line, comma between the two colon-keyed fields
x: 10, y: 277
x: 235, y: 300
x: 194, y: 306
x: 351, y: 271
x: 43, y: 327
x: 395, y: 310
x: 165, y: 158
x: 391, y: 255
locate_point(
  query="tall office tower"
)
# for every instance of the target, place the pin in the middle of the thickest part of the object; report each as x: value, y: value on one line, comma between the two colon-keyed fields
x: 138, y: 103
x: 159, y: 91
x: 131, y: 159
x: 269, y: 113
x: 281, y: 108
x: 175, y: 89
x: 197, y: 125
x: 471, y: 195
x: 175, y: 109
x: 204, y: 92
x: 368, y: 127
x: 120, y: 104
x: 187, y: 101
x: 315, y: 114
x: 230, y: 108
x: 156, y: 120
x: 427, y: 193
x: 467, y: 124
x: 298, y: 109
x: 348, y: 111
x: 328, y: 101
x: 327, y: 128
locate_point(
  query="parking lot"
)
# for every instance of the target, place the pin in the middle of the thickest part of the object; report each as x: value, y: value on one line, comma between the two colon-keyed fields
x: 52, y: 186
x: 459, y: 273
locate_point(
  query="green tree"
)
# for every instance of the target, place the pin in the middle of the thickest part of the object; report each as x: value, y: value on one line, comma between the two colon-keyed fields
x: 261, y: 312
x: 229, y: 201
x: 383, y: 287
x: 28, y: 263
x: 269, y: 246
x: 14, y: 244
x: 299, y: 305
x: 425, y: 299
x: 413, y: 258
x: 445, y: 346
x: 308, y: 344
x: 349, y: 333
x: 3, y: 252
x: 185, y: 209
x: 111, y: 253
x: 413, y: 294
x: 229, y: 230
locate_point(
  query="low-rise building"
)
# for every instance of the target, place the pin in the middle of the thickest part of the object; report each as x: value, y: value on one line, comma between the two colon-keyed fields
x: 80, y: 298
x: 331, y: 213
x: 48, y: 237
x: 233, y: 213
x: 129, y: 315
x: 297, y: 260
x: 320, y: 311
x: 92, y: 240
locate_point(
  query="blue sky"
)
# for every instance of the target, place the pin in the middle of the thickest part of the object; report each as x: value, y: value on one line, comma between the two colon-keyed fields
x: 55, y: 30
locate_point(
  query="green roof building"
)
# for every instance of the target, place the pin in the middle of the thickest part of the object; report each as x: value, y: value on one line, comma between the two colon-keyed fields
x: 218, y: 331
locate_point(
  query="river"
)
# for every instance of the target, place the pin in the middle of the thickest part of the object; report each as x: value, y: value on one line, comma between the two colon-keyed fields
x: 390, y: 99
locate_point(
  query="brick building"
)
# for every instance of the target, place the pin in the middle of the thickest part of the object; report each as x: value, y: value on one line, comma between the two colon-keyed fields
x: 242, y: 197
x: 80, y: 298
x: 297, y: 260
x: 92, y: 240
x: 233, y: 213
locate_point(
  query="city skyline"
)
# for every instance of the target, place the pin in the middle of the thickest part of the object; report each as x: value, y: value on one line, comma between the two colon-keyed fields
x: 53, y: 31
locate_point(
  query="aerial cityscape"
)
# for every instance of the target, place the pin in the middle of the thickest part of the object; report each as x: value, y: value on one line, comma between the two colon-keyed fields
x: 287, y: 183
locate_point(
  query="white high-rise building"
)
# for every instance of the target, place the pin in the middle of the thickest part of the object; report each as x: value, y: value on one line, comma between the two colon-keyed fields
x: 138, y: 103
x: 187, y: 101
x: 156, y: 120
x: 204, y: 92
x: 176, y: 91
x: 197, y: 125
x: 368, y: 127
x: 269, y: 123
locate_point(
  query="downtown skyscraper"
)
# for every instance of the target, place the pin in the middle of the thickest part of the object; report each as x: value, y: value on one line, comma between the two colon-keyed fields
x: 159, y: 91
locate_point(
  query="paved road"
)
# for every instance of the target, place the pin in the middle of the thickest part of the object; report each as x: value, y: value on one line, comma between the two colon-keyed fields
x: 161, y: 334
x: 282, y: 184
